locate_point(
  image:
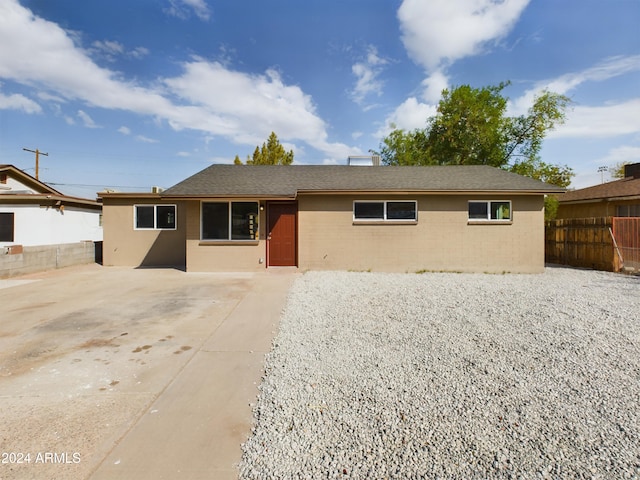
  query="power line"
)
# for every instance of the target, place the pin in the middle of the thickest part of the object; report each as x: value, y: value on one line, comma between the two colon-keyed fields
x: 93, y: 186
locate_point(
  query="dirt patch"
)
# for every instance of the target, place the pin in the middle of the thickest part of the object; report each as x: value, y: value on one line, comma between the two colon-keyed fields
x: 99, y: 342
x: 183, y: 349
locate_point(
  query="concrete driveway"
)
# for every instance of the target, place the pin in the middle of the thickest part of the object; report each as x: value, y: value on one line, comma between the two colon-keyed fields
x: 124, y: 373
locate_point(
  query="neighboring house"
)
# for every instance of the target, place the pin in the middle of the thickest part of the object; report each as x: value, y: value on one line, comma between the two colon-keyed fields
x: 620, y: 198
x: 598, y: 227
x: 36, y: 218
x: 403, y: 219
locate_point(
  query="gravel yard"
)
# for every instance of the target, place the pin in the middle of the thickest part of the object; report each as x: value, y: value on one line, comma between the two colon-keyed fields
x: 452, y: 375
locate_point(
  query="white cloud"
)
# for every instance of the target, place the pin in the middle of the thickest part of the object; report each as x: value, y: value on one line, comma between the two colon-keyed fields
x: 32, y: 51
x: 434, y: 84
x: 409, y: 115
x: 112, y: 49
x: 367, y: 72
x: 124, y: 130
x: 86, y: 119
x: 588, y: 121
x: 244, y: 107
x: 622, y: 154
x: 109, y: 47
x: 609, y: 68
x: 247, y: 108
x: 142, y: 138
x: 139, y: 52
x: 601, y: 122
x: 565, y: 84
x: 438, y: 32
x: 19, y: 102
x: 182, y: 8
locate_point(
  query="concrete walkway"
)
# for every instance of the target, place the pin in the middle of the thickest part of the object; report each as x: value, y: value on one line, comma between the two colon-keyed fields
x: 195, y: 428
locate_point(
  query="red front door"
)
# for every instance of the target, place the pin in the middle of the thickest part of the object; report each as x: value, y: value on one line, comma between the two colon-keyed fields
x: 281, y: 236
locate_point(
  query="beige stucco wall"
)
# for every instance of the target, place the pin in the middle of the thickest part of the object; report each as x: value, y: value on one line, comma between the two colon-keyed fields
x: 222, y: 256
x: 441, y: 240
x: 328, y: 239
x: 124, y: 246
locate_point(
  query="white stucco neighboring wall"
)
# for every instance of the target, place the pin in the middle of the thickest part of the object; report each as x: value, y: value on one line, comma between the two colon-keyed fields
x: 14, y: 185
x: 35, y: 225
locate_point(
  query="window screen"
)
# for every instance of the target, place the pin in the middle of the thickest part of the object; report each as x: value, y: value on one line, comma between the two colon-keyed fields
x: 244, y: 217
x: 6, y: 227
x: 401, y: 211
x: 215, y: 221
x: 166, y: 216
x: 368, y: 210
x: 145, y: 216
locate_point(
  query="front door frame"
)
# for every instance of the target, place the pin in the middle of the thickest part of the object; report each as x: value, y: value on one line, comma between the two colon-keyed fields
x: 268, y: 233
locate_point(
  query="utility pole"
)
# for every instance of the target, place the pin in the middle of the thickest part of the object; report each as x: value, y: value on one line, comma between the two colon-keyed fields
x: 38, y: 153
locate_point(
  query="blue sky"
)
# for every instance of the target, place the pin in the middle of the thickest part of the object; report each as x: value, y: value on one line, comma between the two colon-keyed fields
x: 131, y: 94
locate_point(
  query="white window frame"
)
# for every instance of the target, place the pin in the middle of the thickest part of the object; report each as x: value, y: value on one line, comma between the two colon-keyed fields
x: 488, y: 219
x: 384, y: 218
x: 230, y: 222
x: 155, y: 216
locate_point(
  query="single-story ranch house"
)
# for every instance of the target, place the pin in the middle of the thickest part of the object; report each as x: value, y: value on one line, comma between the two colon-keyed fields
x: 42, y: 228
x: 319, y: 217
x: 620, y: 198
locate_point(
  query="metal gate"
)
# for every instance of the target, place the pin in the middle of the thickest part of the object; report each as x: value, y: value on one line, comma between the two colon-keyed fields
x: 626, y: 231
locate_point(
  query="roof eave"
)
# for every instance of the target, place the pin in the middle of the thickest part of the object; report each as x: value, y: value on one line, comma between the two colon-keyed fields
x: 203, y: 196
x: 49, y: 200
x: 429, y: 192
x: 596, y: 200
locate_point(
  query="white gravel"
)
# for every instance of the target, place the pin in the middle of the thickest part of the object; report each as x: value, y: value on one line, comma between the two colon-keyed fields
x: 452, y: 376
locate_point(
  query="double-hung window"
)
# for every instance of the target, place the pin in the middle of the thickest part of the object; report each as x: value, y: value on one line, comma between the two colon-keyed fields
x: 155, y: 217
x: 229, y: 220
x: 480, y: 210
x: 385, y: 211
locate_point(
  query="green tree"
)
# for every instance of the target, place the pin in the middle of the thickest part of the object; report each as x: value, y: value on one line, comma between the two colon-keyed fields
x: 471, y: 128
x: 617, y: 171
x: 405, y: 148
x: 559, y: 175
x: 526, y: 132
x: 271, y: 153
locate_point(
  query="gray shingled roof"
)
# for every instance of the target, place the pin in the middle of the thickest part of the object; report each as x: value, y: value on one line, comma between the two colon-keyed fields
x: 288, y: 181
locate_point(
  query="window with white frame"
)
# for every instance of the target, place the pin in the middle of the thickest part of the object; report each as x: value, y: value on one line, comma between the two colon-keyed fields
x: 155, y: 217
x: 229, y: 220
x: 490, y: 210
x: 385, y: 210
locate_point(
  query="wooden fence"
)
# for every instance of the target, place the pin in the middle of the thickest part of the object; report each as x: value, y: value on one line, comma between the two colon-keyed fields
x: 589, y: 242
x: 581, y: 242
x: 626, y: 231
